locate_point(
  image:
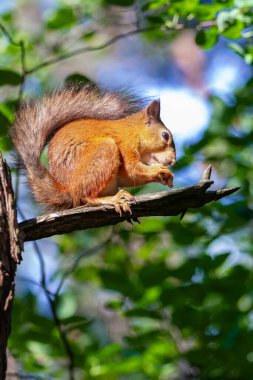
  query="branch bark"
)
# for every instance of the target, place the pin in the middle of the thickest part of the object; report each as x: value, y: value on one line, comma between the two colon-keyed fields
x: 10, y: 256
x: 173, y: 202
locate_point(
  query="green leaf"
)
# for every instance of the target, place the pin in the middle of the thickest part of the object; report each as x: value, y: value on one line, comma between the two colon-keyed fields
x: 114, y: 304
x: 122, y: 3
x: 153, y: 274
x: 7, y: 110
x: 4, y: 122
x: 62, y: 18
x: 76, y: 322
x: 5, y: 143
x: 88, y: 36
x: 201, y: 37
x: 118, y: 280
x: 9, y: 77
x: 234, y: 31
x: 207, y: 38
x: 6, y: 119
x: 76, y: 77
x: 230, y: 24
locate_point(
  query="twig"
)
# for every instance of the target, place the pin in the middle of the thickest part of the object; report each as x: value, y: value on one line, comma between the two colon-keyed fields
x: 63, y: 335
x: 8, y: 35
x: 51, y: 298
x: 19, y: 100
x: 113, y: 40
x: 24, y: 71
x: 24, y: 74
x: 52, y: 303
x: 88, y: 252
x: 86, y: 49
x: 27, y: 279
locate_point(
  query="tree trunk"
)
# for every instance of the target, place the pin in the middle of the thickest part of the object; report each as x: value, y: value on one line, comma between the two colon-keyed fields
x: 10, y: 255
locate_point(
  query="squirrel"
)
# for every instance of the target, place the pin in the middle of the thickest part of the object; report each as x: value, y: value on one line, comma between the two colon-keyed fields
x: 98, y: 141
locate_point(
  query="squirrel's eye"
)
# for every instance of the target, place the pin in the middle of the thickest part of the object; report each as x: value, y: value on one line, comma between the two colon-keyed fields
x: 165, y: 135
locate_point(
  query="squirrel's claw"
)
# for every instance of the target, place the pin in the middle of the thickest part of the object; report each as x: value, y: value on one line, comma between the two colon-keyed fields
x: 123, y: 199
x: 123, y: 205
x: 118, y: 209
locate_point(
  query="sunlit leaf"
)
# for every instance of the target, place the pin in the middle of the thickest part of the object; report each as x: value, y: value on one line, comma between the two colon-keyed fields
x: 9, y: 77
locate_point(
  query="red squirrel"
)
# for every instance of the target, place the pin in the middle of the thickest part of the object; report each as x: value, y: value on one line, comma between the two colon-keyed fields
x: 97, y: 141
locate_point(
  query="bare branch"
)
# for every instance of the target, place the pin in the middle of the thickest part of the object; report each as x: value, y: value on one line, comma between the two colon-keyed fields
x: 88, y: 252
x: 173, y: 202
x: 173, y: 27
x: 86, y: 49
x: 113, y: 40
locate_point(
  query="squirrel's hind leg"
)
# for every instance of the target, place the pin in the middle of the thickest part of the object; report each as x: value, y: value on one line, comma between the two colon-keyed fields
x: 94, y: 180
x: 121, y: 201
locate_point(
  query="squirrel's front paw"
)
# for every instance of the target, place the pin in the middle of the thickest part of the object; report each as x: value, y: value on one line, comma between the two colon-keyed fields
x: 164, y: 176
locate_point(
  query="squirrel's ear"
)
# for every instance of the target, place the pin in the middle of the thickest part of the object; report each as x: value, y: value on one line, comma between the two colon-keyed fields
x: 153, y: 111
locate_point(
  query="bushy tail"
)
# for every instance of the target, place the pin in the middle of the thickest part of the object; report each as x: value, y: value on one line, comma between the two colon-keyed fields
x: 37, y: 121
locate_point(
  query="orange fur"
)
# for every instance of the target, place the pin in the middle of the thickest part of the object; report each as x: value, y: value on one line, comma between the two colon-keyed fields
x: 90, y: 158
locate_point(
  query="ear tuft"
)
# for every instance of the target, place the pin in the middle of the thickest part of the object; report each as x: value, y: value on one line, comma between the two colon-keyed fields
x: 153, y: 110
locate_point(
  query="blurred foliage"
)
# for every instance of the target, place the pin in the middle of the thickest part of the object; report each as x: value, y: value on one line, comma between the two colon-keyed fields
x: 165, y: 299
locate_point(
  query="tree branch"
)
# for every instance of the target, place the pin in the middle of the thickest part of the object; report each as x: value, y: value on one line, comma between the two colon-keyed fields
x: 174, y: 27
x: 86, y: 49
x: 173, y: 202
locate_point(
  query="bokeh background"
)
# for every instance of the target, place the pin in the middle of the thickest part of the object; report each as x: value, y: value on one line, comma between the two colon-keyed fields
x: 166, y: 299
